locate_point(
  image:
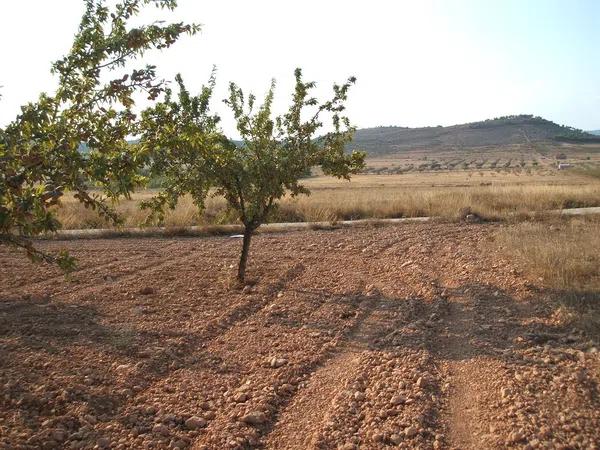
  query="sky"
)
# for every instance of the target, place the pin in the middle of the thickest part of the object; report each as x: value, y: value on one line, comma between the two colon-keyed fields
x: 417, y: 63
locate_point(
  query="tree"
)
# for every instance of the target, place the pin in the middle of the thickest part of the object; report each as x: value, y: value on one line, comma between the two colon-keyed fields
x: 40, y: 157
x: 182, y: 141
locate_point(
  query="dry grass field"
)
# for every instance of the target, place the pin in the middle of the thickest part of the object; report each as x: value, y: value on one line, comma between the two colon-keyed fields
x: 564, y: 255
x: 488, y: 193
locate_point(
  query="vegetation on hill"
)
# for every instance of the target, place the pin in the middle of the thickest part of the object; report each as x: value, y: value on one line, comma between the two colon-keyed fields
x: 500, y: 131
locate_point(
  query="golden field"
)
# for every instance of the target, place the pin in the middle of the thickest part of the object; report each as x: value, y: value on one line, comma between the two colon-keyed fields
x: 564, y: 254
x: 490, y: 194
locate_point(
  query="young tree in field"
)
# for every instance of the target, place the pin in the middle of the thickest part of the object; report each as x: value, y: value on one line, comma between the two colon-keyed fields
x: 40, y: 151
x: 185, y: 145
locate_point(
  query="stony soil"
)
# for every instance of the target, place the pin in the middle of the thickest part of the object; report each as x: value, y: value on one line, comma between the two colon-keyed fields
x: 411, y: 336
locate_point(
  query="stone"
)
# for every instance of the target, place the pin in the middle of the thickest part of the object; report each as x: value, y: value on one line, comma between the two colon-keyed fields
x: 180, y: 444
x: 241, y: 397
x: 378, y: 437
x: 515, y: 437
x: 195, y: 422
x: 254, y: 418
x: 395, y: 439
x: 359, y: 396
x: 411, y: 432
x: 545, y: 432
x: 161, y: 429
x: 398, y: 399
x: 59, y: 435
x: 277, y: 362
x: 90, y: 419
x: 247, y: 289
x: 103, y: 442
x: 147, y: 290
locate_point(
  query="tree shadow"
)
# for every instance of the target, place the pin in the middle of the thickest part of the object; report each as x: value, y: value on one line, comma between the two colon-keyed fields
x: 470, y: 321
x: 49, y: 326
x: 65, y: 361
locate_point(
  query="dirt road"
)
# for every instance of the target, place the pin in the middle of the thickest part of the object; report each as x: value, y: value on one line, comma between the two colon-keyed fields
x: 412, y: 336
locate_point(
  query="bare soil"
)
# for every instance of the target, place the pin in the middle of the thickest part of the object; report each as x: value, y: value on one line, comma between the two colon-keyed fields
x: 411, y: 336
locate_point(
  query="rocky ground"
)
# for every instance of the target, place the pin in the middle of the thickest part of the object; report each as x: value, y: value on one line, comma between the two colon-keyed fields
x: 411, y: 336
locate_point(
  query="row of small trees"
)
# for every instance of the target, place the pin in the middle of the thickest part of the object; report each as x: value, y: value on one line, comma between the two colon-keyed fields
x: 179, y: 137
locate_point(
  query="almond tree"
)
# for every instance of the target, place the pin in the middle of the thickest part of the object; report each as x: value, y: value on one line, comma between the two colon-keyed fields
x: 183, y: 143
x: 40, y: 151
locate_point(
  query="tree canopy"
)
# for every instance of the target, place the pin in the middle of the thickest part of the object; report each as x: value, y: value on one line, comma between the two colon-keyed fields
x: 39, y: 151
x: 182, y: 141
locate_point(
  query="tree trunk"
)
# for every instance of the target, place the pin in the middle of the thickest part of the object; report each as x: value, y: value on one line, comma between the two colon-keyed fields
x: 244, y: 256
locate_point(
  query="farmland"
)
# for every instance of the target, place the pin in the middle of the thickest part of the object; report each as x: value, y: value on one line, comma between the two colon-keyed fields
x: 519, y: 159
x: 216, y: 245
x: 397, y: 186
x: 435, y: 335
x: 426, y: 336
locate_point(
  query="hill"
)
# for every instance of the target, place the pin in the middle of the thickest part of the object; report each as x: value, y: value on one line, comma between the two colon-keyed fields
x: 502, y: 131
x: 594, y: 132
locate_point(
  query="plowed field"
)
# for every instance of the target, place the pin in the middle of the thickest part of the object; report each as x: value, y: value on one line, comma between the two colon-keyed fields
x: 411, y: 336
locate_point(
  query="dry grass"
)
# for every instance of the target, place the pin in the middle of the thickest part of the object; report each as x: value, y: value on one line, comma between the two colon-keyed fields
x: 378, y: 197
x: 445, y: 201
x: 565, y: 255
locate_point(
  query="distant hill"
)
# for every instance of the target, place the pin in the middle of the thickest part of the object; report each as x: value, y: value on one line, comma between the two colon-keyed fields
x: 501, y: 131
x: 497, y: 132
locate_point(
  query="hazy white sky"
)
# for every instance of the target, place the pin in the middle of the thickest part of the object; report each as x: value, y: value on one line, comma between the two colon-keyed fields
x: 418, y: 63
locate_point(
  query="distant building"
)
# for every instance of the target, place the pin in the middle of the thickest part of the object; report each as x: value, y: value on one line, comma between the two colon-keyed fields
x: 562, y: 166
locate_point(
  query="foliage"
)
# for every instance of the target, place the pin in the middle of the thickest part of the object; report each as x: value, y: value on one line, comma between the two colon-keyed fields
x: 574, y: 135
x: 516, y: 119
x: 183, y: 142
x: 564, y: 132
x: 39, y: 151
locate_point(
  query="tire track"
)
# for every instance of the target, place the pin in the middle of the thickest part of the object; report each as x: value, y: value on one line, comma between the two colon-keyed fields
x: 461, y: 370
x: 301, y: 420
x: 275, y: 401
